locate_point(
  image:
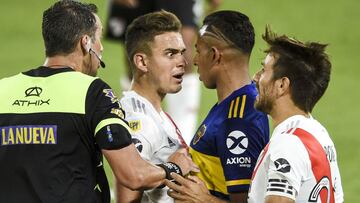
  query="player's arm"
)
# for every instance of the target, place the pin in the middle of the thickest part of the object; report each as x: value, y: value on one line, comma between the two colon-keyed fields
x: 124, y: 194
x: 145, y: 128
x: 106, y: 119
x: 238, y: 197
x: 278, y: 199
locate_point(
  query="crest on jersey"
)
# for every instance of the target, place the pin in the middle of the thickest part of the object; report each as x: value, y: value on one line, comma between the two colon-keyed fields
x: 201, y: 131
x: 110, y: 93
x: 137, y: 144
x: 282, y: 165
x: 135, y: 125
x: 237, y: 142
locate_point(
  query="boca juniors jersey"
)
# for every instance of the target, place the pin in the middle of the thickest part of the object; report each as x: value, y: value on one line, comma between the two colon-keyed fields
x: 229, y: 141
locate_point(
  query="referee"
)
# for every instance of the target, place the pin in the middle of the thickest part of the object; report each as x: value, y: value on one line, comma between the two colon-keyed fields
x: 57, y: 120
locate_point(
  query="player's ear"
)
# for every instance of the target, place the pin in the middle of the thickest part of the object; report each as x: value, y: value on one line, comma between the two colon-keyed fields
x: 216, y: 55
x: 282, y: 85
x: 140, y: 61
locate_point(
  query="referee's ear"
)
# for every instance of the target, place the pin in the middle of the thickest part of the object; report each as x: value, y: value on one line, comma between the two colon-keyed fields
x: 140, y: 62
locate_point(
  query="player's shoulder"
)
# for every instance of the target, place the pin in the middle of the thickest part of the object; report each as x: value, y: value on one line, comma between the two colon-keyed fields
x: 240, y: 104
x: 138, y: 113
x: 134, y: 103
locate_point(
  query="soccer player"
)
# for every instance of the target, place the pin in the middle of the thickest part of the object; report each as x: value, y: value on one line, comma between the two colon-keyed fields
x: 230, y: 139
x: 300, y: 163
x: 156, y: 54
x: 57, y: 120
x: 180, y: 107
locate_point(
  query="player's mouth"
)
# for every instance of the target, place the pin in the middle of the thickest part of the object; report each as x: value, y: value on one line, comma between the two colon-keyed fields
x: 178, y: 76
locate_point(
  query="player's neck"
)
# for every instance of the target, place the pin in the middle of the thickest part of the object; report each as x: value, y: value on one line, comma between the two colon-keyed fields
x: 282, y: 111
x: 230, y: 79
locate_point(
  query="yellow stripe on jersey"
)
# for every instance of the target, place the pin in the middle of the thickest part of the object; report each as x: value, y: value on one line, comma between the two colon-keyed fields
x: 243, y: 101
x: 236, y: 107
x: 238, y: 182
x: 109, y: 121
x: 211, y: 171
x: 230, y: 110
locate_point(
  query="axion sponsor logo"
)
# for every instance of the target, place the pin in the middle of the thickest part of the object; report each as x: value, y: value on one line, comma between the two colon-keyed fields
x: 241, y: 161
x: 237, y: 142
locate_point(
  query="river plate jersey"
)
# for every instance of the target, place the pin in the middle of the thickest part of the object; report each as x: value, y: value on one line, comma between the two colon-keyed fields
x: 53, y: 123
x: 299, y: 163
x: 154, y: 134
x: 228, y: 142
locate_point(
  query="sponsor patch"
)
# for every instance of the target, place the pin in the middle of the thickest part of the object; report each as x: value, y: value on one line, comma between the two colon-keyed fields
x: 118, y: 112
x: 135, y: 125
x: 237, y: 142
x: 110, y: 93
x: 28, y: 134
x: 282, y: 165
x: 32, y: 98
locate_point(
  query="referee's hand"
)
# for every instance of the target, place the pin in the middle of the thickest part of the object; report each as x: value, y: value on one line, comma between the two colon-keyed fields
x: 183, y: 160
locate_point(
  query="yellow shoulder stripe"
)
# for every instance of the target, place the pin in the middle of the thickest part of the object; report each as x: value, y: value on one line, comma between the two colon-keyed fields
x: 234, y: 111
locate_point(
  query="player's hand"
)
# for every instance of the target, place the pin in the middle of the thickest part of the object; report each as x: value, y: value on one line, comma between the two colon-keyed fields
x: 190, y: 189
x: 127, y: 3
x: 184, y: 161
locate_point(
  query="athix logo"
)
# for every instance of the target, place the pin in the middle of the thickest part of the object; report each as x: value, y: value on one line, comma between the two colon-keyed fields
x: 33, y: 91
x: 282, y: 165
x: 237, y: 142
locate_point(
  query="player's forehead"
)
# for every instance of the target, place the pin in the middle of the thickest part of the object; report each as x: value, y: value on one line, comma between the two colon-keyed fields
x: 168, y: 40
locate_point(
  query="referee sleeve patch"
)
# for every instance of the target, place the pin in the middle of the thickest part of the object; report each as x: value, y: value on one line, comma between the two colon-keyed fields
x: 113, y: 136
x: 109, y: 121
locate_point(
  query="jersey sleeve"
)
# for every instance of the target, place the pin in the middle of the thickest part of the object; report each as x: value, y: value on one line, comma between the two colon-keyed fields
x: 145, y: 135
x: 239, y: 149
x: 105, y: 117
x: 289, y: 164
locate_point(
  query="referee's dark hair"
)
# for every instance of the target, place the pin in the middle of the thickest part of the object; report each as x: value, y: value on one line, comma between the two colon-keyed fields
x: 65, y: 23
x: 141, y: 32
x: 232, y: 27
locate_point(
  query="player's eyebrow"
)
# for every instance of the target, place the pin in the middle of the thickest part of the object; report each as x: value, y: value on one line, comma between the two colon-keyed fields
x: 172, y: 50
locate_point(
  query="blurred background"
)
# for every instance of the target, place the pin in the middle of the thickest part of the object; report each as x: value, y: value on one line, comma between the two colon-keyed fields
x: 326, y: 21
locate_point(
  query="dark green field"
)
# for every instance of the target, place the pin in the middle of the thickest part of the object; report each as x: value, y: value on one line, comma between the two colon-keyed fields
x: 333, y: 22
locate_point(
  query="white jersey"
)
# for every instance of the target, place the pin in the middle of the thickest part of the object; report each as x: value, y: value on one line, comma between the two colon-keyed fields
x: 299, y: 163
x: 154, y: 134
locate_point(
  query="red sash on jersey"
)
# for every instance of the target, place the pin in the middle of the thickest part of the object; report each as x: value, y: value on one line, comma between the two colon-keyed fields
x: 319, y: 162
x: 181, y: 139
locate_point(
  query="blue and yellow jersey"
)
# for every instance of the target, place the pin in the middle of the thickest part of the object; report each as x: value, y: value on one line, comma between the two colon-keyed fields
x: 228, y: 142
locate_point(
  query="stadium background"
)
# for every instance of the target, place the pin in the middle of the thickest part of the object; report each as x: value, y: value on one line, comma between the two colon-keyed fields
x: 328, y: 21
